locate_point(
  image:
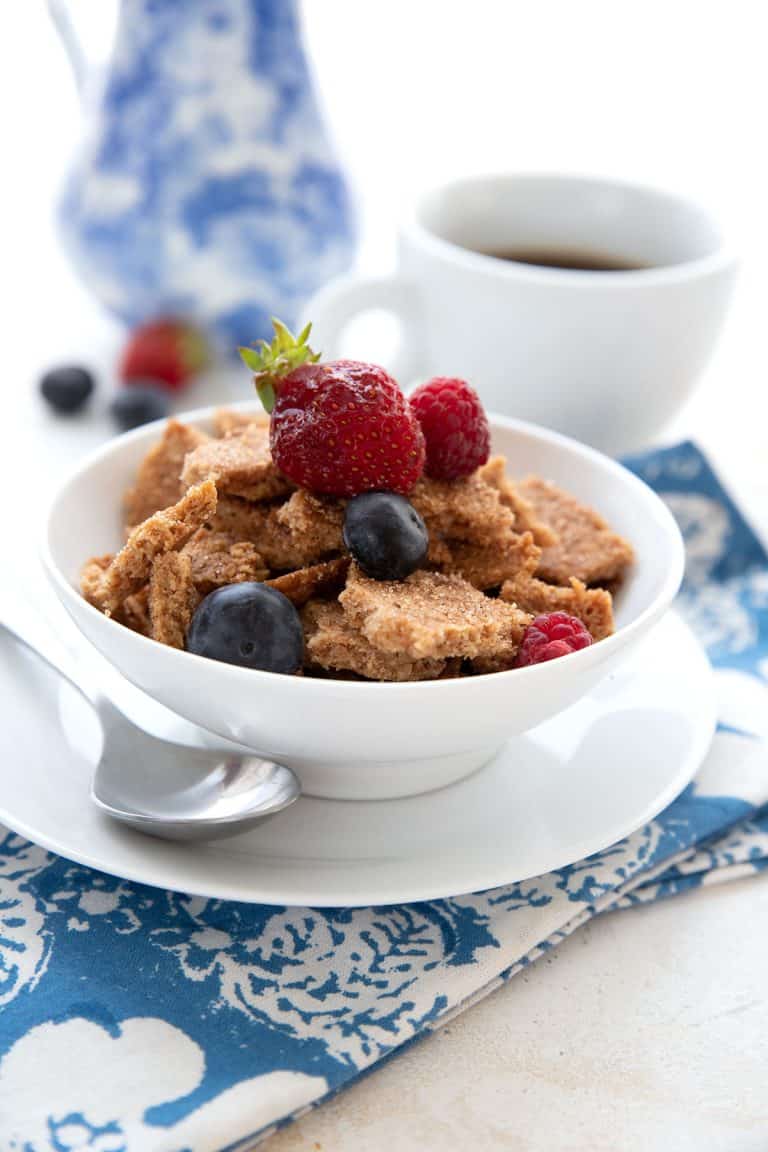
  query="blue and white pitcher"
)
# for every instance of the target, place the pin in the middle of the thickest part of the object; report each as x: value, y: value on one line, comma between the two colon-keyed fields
x: 206, y: 185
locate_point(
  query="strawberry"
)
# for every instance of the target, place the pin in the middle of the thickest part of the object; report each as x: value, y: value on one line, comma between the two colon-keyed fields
x: 165, y: 351
x: 455, y: 427
x: 339, y: 428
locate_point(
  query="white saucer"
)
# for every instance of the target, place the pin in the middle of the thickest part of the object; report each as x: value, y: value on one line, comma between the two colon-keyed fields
x: 568, y: 788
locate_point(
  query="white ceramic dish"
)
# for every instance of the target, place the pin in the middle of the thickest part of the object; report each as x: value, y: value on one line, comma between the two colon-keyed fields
x: 572, y: 786
x: 363, y: 740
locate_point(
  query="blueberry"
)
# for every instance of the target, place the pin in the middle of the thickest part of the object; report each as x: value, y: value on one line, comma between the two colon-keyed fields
x: 248, y: 624
x: 66, y: 389
x: 138, y: 404
x: 385, y: 534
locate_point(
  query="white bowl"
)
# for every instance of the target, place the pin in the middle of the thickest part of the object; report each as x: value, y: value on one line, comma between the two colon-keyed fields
x: 350, y: 739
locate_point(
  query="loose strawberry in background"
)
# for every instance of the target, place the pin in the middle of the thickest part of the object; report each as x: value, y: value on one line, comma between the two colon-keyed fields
x: 338, y: 428
x: 167, y: 352
x: 455, y: 427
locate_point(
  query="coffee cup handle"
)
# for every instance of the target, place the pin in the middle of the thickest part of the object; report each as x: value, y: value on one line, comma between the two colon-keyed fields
x: 341, y: 300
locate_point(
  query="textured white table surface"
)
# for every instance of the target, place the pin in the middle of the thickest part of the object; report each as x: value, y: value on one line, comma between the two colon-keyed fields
x: 647, y: 1029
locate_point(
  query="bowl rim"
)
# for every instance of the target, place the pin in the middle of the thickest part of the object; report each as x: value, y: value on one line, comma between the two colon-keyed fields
x: 593, y: 654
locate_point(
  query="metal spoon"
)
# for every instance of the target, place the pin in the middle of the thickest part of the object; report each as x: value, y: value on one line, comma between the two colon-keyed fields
x: 168, y: 790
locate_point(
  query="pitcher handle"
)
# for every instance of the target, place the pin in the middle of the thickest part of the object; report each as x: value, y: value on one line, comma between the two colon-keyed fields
x: 61, y: 18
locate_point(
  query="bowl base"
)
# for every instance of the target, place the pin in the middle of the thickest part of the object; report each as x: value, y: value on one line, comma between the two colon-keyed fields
x: 386, y: 779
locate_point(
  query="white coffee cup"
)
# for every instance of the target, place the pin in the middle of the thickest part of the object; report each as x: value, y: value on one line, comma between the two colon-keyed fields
x: 605, y: 356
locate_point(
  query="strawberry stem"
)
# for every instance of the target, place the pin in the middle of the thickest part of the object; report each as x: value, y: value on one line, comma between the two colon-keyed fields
x: 270, y: 363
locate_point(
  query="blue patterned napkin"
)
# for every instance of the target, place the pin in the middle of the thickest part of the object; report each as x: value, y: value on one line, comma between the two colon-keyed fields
x: 135, y: 1019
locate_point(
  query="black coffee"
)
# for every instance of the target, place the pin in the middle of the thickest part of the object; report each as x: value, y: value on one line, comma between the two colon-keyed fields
x: 579, y: 259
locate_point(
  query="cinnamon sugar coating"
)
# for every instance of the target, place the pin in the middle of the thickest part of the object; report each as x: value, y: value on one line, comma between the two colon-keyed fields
x: 240, y: 464
x: 333, y: 642
x: 430, y: 616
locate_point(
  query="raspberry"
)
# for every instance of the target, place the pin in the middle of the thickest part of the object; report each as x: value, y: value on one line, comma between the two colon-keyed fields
x: 339, y: 428
x: 549, y: 636
x: 455, y: 427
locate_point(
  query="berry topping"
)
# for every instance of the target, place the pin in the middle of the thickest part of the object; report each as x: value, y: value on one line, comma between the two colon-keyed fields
x: 339, y: 428
x: 549, y: 636
x: 385, y: 534
x: 168, y: 352
x: 455, y: 427
x: 66, y: 389
x: 137, y: 405
x: 248, y: 624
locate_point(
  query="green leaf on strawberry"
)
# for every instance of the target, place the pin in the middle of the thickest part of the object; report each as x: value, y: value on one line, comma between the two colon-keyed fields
x: 272, y: 362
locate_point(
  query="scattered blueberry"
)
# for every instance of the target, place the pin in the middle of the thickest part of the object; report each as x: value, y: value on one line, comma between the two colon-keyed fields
x: 66, y: 389
x: 248, y: 624
x: 385, y: 534
x: 137, y: 405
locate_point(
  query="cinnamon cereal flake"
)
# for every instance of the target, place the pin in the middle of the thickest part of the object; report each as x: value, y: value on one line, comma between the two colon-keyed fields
x: 240, y: 519
x: 333, y: 642
x: 172, y: 598
x: 314, y: 523
x: 593, y: 606
x: 158, y: 481
x: 163, y: 532
x: 466, y: 509
x: 230, y: 422
x: 134, y: 612
x: 92, y: 578
x: 494, y: 472
x: 217, y: 558
x: 488, y: 566
x: 241, y: 465
x: 430, y: 616
x: 318, y: 580
x: 586, y: 547
x: 500, y: 661
x: 301, y: 532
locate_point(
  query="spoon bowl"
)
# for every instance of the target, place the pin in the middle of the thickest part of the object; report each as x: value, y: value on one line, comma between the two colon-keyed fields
x: 180, y: 793
x: 172, y: 791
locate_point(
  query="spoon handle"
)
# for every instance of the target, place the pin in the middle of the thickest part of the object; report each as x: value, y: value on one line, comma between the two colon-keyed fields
x: 35, y: 631
x: 25, y: 623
